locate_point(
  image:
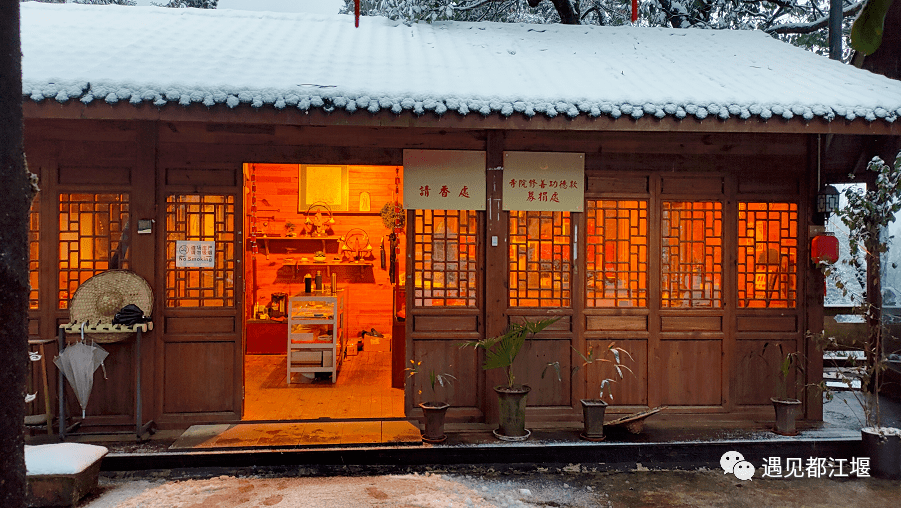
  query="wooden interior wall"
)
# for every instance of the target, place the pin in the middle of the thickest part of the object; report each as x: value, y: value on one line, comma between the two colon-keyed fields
x: 368, y: 288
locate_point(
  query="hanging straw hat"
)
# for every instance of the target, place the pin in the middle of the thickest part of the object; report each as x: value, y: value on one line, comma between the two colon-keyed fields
x: 98, y: 299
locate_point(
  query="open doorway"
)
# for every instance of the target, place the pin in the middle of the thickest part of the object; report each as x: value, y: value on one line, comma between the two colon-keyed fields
x: 323, y: 251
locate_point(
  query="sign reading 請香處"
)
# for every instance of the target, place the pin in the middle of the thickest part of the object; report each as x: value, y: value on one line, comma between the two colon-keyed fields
x: 444, y: 180
x: 544, y: 181
x: 195, y: 254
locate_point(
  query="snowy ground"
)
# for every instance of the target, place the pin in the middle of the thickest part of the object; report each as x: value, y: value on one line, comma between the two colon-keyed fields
x: 642, y: 487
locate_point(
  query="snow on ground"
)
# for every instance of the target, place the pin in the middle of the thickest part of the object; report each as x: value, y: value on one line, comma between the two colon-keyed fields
x: 411, y: 490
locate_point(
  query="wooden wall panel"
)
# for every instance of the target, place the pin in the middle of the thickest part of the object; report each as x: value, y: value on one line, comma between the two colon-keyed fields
x: 691, y: 372
x: 693, y: 186
x: 771, y: 182
x: 616, y: 323
x: 767, y: 323
x: 756, y: 377
x: 598, y: 184
x: 445, y: 356
x: 200, y: 325
x: 533, y: 359
x: 94, y: 175
x: 217, y: 177
x: 445, y: 323
x: 199, y: 377
x: 691, y: 323
x: 632, y: 389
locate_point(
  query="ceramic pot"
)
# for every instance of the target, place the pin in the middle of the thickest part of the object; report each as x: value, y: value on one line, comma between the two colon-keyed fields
x: 593, y: 419
x: 884, y: 452
x: 433, y: 419
x: 786, y: 411
x: 511, y: 404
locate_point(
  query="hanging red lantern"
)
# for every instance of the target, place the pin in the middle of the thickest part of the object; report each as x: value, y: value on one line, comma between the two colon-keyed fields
x: 824, y: 249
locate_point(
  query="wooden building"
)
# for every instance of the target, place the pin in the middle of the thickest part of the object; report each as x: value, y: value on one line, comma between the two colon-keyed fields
x: 701, y: 154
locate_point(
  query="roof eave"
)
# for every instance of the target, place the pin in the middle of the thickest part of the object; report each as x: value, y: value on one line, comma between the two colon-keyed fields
x: 246, y: 114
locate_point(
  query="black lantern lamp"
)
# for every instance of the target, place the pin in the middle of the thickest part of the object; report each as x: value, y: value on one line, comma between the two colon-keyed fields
x: 827, y: 200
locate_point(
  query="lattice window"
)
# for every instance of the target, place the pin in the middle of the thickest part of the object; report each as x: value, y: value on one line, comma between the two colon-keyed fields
x: 34, y: 251
x: 540, y: 263
x: 617, y: 254
x: 767, y: 254
x: 692, y: 254
x: 201, y: 218
x: 93, y: 237
x: 445, y: 258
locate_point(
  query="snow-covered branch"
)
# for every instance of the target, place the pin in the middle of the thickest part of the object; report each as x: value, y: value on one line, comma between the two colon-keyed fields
x: 813, y: 26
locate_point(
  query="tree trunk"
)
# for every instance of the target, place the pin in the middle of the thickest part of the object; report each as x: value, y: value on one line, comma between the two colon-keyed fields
x: 16, y: 195
x: 564, y: 10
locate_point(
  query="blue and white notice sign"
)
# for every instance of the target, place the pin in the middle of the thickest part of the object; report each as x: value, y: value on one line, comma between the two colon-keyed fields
x: 195, y: 254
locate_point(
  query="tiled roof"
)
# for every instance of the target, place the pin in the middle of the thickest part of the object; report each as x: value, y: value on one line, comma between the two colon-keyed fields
x: 277, y: 60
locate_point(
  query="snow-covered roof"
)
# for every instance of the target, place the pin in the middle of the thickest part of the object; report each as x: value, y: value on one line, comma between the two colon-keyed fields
x: 305, y: 61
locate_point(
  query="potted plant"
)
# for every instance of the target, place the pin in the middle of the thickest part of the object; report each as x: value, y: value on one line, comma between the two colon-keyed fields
x: 289, y: 228
x: 786, y: 407
x: 433, y: 412
x: 319, y: 256
x: 866, y: 215
x: 500, y: 353
x: 593, y: 410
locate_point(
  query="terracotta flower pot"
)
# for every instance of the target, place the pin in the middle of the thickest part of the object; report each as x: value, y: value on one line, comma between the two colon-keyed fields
x: 786, y: 411
x: 433, y: 419
x: 593, y: 419
x: 884, y: 451
x: 512, y: 412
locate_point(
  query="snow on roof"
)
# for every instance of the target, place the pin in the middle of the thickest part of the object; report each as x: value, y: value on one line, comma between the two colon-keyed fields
x: 308, y: 61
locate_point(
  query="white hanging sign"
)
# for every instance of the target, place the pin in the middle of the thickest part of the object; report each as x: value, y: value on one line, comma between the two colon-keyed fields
x: 195, y: 254
x: 544, y: 181
x: 444, y: 180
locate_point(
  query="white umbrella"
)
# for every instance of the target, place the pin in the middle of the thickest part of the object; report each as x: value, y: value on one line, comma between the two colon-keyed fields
x: 78, y: 363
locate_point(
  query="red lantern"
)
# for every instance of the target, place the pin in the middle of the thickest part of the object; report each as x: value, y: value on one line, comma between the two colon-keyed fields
x: 824, y: 249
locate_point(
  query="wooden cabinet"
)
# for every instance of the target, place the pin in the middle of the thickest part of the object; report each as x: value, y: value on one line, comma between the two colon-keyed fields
x: 316, y: 333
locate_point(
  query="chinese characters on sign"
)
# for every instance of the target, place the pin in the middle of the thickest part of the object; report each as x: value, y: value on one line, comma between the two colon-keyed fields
x: 444, y: 179
x: 195, y: 254
x: 544, y: 181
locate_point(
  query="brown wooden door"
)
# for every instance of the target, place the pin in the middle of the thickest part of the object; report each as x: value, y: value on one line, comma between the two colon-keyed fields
x: 201, y: 350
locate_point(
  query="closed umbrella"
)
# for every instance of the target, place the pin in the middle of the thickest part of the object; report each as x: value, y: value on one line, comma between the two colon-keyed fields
x: 78, y: 363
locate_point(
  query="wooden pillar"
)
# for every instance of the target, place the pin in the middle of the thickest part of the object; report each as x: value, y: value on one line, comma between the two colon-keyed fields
x: 495, y: 275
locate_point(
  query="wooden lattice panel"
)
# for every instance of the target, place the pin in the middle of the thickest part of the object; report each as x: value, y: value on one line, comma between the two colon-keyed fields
x: 540, y: 259
x: 91, y: 227
x: 767, y: 255
x: 445, y: 258
x: 692, y: 254
x: 34, y: 251
x: 617, y: 254
x: 201, y: 218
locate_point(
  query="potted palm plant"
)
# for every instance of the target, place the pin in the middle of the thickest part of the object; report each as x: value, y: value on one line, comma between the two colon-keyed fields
x: 433, y: 411
x: 500, y: 353
x: 593, y: 410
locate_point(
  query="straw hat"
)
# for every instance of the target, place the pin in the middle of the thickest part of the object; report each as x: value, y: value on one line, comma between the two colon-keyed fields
x: 98, y: 299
